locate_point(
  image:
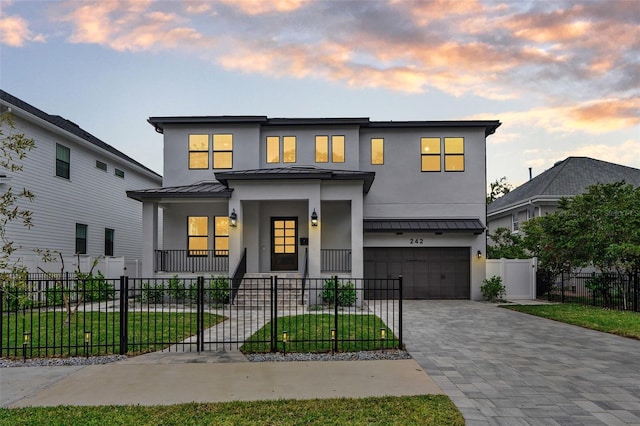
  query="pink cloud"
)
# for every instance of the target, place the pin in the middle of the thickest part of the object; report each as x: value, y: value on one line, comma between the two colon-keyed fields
x: 259, y: 7
x: 15, y: 32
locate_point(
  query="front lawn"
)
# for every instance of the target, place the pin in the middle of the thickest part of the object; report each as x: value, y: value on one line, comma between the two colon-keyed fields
x: 408, y: 410
x: 622, y: 323
x: 51, y: 337
x: 312, y: 333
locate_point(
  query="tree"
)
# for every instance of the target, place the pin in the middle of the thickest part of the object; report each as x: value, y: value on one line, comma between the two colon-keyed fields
x: 506, y: 244
x: 498, y: 188
x: 14, y: 147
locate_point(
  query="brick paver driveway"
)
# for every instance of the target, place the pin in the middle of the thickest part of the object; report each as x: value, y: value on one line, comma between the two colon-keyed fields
x: 504, y: 367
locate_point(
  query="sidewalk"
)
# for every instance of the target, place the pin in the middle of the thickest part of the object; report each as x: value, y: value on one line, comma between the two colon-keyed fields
x: 172, y: 378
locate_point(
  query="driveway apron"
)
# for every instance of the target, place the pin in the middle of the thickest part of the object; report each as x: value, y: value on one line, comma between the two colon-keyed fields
x: 502, y: 367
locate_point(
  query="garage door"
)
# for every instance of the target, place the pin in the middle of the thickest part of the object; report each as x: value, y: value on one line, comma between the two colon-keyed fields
x: 427, y: 272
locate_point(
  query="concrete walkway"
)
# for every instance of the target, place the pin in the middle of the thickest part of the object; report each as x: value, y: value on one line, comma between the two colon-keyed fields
x: 502, y: 367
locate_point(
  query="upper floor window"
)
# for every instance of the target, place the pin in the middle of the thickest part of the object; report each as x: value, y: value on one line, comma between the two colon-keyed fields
x: 515, y: 222
x: 222, y: 151
x: 377, y: 151
x: 81, y: 238
x: 288, y: 149
x: 337, y: 149
x: 430, y: 154
x: 197, y: 235
x: 63, y: 161
x: 221, y: 235
x: 198, y: 151
x: 100, y: 165
x: 453, y: 154
x: 119, y: 173
x: 109, y: 235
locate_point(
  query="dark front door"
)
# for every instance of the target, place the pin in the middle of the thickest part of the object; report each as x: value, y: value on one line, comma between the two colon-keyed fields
x: 284, y: 247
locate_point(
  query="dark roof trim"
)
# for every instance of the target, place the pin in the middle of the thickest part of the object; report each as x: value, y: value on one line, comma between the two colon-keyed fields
x: 437, y: 226
x: 199, y: 190
x: 297, y: 173
x: 158, y: 123
x: 70, y: 127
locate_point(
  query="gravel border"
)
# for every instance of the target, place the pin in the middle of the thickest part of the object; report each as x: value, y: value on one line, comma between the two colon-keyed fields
x: 48, y: 362
x: 392, y: 354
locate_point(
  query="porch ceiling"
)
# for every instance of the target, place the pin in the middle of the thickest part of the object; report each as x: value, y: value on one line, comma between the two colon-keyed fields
x: 198, y: 190
x: 298, y: 173
x: 437, y: 226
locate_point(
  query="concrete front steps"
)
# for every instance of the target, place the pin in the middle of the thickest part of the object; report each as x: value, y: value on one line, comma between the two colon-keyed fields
x: 255, y: 291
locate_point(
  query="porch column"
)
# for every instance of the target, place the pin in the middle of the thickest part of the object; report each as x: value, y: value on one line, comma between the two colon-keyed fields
x: 357, y: 236
x: 315, y: 233
x: 235, y: 234
x: 149, y: 237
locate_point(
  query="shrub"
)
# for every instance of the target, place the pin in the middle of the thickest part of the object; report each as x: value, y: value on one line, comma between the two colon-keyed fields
x: 346, y: 293
x: 55, y: 295
x: 493, y: 289
x: 177, y: 288
x: 96, y: 287
x: 152, y: 294
x: 219, y: 289
x: 15, y: 295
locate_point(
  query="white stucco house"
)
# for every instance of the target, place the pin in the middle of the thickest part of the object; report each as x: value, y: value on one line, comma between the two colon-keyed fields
x: 80, y: 184
x: 326, y: 196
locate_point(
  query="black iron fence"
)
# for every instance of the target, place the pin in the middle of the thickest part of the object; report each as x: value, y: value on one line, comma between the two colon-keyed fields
x: 607, y: 290
x: 83, y: 317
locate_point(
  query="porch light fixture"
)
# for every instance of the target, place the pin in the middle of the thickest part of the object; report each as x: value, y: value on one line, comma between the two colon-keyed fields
x: 479, y: 254
x: 314, y: 218
x: 233, y: 218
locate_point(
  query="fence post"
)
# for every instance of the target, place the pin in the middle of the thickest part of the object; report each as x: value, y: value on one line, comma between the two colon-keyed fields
x: 335, y: 313
x: 124, y: 317
x: 562, y: 287
x: 400, y: 312
x: 274, y: 316
x: 200, y: 314
x: 636, y: 296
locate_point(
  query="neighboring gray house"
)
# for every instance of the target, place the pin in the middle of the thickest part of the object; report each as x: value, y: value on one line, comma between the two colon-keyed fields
x: 80, y: 186
x: 345, y: 196
x: 541, y: 194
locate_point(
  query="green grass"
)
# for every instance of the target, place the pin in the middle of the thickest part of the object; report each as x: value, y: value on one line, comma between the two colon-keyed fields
x: 312, y: 333
x: 48, y: 329
x: 412, y: 410
x: 622, y: 323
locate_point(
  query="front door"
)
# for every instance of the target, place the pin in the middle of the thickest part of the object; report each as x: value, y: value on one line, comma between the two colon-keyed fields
x: 284, y: 247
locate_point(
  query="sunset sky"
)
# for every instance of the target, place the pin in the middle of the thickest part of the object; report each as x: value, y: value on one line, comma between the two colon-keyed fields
x: 562, y: 76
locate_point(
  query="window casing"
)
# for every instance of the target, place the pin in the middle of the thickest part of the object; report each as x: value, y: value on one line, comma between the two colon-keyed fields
x: 197, y: 235
x: 322, y: 149
x: 430, y: 154
x: 222, y: 151
x: 337, y: 149
x: 221, y: 235
x: 109, y: 236
x: 198, y: 152
x: 377, y: 151
x: 100, y: 165
x: 515, y: 222
x: 63, y: 161
x: 81, y: 238
x: 273, y: 149
x: 289, y: 149
x: 454, y: 154
x: 119, y: 173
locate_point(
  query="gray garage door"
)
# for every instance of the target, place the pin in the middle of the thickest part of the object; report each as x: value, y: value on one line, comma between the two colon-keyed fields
x: 427, y: 272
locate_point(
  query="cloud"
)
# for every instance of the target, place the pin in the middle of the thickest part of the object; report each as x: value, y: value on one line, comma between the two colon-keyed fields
x: 15, y: 32
x: 259, y: 7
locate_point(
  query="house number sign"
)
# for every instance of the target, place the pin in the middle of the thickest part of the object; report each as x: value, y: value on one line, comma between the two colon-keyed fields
x: 416, y: 241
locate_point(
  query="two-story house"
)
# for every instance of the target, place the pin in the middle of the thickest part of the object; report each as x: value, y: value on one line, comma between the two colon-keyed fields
x: 325, y: 196
x: 80, y: 184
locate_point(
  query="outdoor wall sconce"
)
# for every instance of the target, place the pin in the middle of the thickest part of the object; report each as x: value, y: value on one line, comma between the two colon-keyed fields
x: 26, y: 337
x: 233, y: 218
x: 479, y: 254
x: 314, y: 218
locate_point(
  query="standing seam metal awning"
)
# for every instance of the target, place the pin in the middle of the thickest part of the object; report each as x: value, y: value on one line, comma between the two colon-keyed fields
x: 437, y: 226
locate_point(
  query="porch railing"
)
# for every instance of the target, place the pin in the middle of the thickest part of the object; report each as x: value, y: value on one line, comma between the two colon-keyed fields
x: 335, y: 260
x: 191, y: 261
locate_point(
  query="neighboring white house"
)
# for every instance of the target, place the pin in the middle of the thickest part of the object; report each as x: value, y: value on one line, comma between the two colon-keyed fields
x: 344, y: 196
x: 541, y: 194
x: 80, y: 185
